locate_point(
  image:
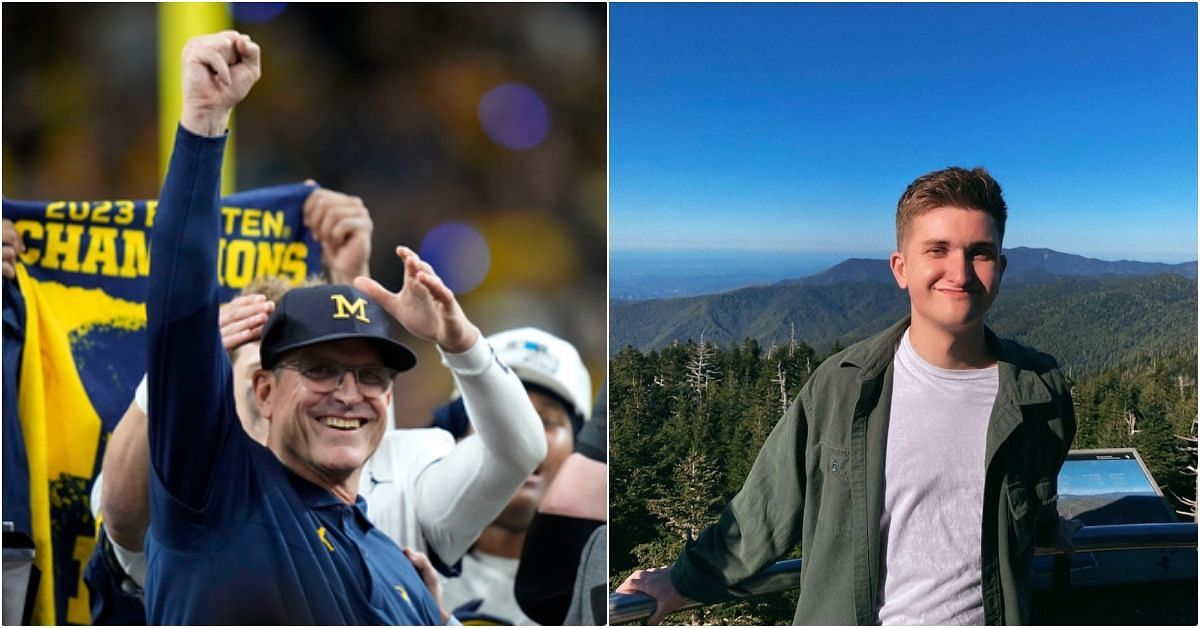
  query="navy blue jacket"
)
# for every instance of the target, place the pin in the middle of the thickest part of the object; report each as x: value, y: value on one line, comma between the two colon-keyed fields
x: 235, y: 537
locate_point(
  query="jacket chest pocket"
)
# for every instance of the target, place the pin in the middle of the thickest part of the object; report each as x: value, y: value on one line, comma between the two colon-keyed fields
x: 835, y: 463
x: 829, y: 486
x: 1028, y: 501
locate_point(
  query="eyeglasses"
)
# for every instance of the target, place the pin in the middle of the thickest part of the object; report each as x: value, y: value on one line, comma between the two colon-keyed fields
x: 326, y: 377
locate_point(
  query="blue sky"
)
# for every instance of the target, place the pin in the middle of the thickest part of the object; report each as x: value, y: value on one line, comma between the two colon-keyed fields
x: 797, y: 126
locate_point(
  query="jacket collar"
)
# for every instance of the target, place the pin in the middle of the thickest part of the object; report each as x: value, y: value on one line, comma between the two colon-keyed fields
x: 1019, y: 384
x: 318, y: 498
x: 874, y: 355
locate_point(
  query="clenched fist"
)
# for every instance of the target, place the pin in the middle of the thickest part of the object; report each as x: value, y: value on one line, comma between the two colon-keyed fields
x: 343, y: 226
x: 218, y: 72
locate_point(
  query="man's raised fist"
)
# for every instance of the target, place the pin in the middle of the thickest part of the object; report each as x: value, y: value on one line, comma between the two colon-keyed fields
x: 218, y: 72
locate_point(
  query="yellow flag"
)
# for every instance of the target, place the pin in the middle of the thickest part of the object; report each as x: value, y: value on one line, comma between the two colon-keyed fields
x: 62, y: 433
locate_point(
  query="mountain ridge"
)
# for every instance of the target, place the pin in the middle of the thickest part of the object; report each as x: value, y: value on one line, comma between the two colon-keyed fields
x: 1088, y: 322
x: 1024, y: 264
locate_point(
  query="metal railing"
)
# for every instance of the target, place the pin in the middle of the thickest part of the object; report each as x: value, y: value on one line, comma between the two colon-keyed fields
x: 624, y: 608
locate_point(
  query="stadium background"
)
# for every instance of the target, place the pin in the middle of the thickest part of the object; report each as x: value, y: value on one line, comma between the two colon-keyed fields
x: 476, y: 133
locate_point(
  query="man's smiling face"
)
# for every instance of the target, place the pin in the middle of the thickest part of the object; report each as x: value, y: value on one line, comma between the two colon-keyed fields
x: 325, y: 437
x: 950, y: 263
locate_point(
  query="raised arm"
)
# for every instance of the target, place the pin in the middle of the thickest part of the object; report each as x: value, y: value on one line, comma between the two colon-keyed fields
x: 457, y: 497
x: 460, y: 495
x: 191, y: 409
x: 126, y: 491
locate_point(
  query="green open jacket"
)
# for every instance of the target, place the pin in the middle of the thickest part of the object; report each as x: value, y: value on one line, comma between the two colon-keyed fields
x: 818, y: 481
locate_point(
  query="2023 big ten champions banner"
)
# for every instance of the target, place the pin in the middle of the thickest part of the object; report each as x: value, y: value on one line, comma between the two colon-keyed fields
x: 83, y: 282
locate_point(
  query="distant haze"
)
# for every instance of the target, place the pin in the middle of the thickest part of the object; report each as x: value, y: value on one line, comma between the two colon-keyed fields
x: 656, y: 274
x: 643, y: 274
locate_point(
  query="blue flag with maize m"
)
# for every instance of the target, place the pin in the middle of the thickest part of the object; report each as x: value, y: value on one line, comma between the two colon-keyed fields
x: 82, y: 319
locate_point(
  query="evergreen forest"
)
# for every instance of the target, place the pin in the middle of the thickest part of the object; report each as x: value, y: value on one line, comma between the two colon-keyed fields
x: 687, y: 421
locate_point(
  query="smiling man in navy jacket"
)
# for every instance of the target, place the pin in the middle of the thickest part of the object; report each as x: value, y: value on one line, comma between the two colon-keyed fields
x: 245, y: 534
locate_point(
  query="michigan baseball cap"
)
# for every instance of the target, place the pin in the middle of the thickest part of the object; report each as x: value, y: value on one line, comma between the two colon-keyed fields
x: 312, y: 315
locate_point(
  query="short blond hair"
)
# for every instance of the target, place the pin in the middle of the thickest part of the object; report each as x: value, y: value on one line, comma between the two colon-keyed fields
x: 274, y: 287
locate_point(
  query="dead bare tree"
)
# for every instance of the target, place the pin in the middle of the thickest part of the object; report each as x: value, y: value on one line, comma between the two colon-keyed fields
x: 1131, y: 422
x: 781, y: 379
x: 700, y: 371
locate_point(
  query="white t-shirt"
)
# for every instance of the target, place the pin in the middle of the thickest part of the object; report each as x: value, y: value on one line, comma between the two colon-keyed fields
x: 389, y: 481
x: 933, y: 492
x: 490, y: 578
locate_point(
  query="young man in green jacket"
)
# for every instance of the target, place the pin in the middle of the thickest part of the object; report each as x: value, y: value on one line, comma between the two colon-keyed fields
x: 918, y: 468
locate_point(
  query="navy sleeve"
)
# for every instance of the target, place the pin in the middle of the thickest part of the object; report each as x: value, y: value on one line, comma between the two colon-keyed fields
x: 191, y: 411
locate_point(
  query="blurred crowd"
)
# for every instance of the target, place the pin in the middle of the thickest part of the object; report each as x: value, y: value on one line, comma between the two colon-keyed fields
x: 386, y: 102
x: 474, y: 134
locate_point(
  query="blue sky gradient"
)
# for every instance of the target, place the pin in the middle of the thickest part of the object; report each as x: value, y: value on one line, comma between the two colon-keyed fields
x: 797, y: 127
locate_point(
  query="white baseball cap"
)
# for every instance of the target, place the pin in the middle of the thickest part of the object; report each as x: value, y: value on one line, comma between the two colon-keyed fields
x: 541, y: 358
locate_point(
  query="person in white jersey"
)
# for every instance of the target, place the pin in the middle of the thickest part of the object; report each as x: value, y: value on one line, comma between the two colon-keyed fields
x: 558, y: 385
x: 917, y: 469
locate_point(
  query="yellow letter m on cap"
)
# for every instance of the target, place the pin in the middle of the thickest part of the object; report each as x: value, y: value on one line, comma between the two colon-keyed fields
x: 345, y: 308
